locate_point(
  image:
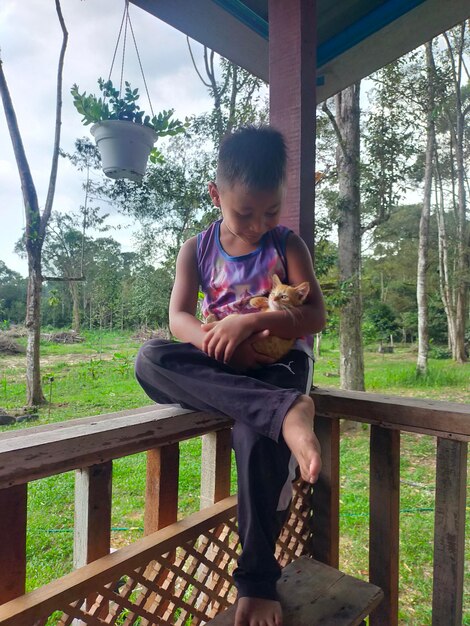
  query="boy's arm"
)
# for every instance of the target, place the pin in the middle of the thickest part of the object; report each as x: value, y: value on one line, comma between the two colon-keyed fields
x: 298, y: 321
x: 222, y: 339
x: 183, y: 302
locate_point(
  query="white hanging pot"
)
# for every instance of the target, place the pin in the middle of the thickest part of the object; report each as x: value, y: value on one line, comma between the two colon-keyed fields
x: 124, y: 147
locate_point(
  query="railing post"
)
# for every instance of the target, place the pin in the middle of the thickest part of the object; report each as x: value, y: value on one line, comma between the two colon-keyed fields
x: 215, y: 467
x: 384, y: 521
x: 92, y: 529
x: 449, y: 532
x: 325, y: 496
x: 161, y: 494
x: 13, y: 543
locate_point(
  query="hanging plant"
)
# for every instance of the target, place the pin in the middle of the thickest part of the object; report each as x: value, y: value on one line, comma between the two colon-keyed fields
x: 124, y: 134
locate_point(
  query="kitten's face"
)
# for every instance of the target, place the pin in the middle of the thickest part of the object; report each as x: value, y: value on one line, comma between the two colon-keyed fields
x: 284, y: 297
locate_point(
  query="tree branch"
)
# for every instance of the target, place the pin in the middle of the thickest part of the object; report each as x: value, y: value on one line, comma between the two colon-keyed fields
x: 195, y: 66
x: 30, y: 197
x: 63, y: 278
x: 332, y: 119
x: 55, y: 152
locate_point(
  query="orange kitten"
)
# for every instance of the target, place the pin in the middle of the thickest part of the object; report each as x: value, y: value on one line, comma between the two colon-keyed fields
x: 281, y: 298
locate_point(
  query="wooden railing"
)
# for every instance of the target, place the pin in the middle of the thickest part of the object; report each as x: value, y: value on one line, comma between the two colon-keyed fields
x: 89, y: 446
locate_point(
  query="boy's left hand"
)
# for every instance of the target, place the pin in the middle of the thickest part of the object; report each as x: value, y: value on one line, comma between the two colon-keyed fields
x: 222, y: 338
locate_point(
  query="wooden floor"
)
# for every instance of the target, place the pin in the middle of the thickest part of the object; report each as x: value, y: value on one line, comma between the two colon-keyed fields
x: 314, y: 594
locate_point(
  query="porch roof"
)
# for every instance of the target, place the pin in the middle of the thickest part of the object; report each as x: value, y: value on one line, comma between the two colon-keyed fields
x: 355, y: 37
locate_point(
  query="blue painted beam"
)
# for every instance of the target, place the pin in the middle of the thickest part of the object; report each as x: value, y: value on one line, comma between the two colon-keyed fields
x: 380, y: 17
x: 244, y: 14
x: 383, y: 15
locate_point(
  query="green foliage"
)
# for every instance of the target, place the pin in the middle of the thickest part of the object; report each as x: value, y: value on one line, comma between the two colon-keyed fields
x: 439, y: 352
x: 12, y: 297
x: 383, y: 320
x: 111, y: 106
x: 123, y: 363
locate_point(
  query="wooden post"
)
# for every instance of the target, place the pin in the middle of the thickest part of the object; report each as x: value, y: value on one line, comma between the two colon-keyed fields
x: 384, y: 521
x: 13, y: 543
x: 292, y: 88
x: 449, y: 532
x: 161, y: 495
x: 215, y: 467
x: 325, y: 498
x: 92, y: 529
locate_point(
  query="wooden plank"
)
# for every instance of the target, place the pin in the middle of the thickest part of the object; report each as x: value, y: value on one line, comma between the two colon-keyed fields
x: 41, y: 452
x: 24, y: 611
x: 292, y: 93
x: 13, y: 503
x: 216, y: 456
x: 430, y: 417
x: 92, y: 525
x: 325, y: 496
x: 449, y: 533
x: 161, y: 491
x: 384, y: 521
x: 314, y: 594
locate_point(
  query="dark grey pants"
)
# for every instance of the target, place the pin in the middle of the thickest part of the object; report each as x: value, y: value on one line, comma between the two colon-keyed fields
x: 258, y: 401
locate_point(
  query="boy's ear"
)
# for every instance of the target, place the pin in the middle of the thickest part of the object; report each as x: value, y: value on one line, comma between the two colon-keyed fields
x: 214, y: 193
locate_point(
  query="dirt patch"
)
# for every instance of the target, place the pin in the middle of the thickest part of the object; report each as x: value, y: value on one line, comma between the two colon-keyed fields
x: 18, y: 362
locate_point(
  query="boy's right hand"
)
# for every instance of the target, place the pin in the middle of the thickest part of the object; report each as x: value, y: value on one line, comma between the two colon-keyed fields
x: 245, y: 356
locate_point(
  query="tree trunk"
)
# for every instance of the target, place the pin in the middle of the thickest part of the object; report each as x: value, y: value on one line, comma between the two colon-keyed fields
x: 423, y: 245
x: 349, y: 237
x: 34, y: 395
x: 456, y: 121
x: 444, y: 271
x: 75, y: 293
x: 35, y: 223
x: 463, y: 255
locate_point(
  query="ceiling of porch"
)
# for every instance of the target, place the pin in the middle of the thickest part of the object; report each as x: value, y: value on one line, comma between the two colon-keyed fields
x: 355, y: 37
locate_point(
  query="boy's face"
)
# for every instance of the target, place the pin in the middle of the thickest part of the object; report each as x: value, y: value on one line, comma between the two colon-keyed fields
x: 248, y: 213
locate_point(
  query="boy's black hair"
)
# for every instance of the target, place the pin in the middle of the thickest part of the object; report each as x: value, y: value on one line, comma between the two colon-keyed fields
x: 254, y: 156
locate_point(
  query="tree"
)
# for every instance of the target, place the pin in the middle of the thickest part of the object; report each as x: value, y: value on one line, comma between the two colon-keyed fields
x: 454, y: 98
x: 36, y: 223
x: 421, y: 283
x: 345, y: 121
x: 236, y: 96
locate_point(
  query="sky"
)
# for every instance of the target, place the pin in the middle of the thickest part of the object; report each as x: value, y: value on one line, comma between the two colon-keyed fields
x: 30, y: 41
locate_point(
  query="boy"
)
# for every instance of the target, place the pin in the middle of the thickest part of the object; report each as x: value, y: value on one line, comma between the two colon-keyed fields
x: 216, y: 368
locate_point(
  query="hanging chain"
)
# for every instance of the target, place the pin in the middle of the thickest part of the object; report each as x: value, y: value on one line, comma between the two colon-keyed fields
x: 126, y: 11
x: 140, y: 64
x: 117, y: 43
x: 126, y: 22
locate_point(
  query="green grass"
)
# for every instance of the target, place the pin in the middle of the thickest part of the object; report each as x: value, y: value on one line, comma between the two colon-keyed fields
x: 97, y: 377
x: 396, y: 374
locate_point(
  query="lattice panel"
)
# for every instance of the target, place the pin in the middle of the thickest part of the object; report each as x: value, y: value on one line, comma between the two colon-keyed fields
x: 185, y: 587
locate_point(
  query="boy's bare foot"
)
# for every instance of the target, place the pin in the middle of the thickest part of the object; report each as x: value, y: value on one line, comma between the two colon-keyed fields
x: 297, y: 430
x: 258, y: 612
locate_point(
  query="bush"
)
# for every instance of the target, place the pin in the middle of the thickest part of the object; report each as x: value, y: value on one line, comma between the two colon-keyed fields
x: 440, y: 352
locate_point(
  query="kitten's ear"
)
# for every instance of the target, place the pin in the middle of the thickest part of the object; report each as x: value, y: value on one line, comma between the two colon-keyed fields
x: 276, y: 280
x: 302, y: 291
x: 259, y: 302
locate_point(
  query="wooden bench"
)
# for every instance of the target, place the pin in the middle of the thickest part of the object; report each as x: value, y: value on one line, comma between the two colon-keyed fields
x: 314, y: 594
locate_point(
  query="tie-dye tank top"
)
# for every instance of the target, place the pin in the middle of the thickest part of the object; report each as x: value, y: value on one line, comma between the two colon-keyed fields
x: 229, y: 282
